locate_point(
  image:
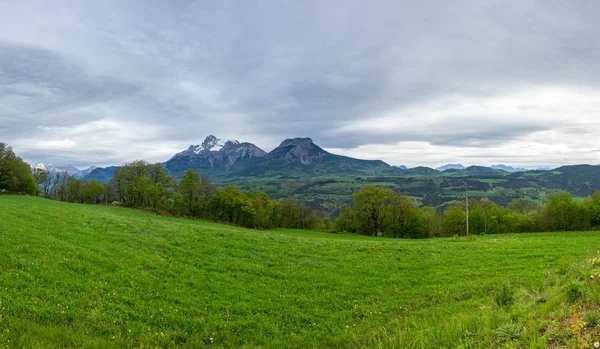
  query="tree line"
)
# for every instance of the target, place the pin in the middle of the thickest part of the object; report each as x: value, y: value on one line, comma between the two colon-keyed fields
x: 382, y: 212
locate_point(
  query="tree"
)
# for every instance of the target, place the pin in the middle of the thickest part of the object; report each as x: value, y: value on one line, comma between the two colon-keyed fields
x: 93, y: 191
x: 592, y: 206
x: 372, y: 205
x: 62, y: 186
x: 345, y: 221
x: 76, y: 188
x: 523, y: 206
x: 288, y: 213
x: 431, y: 221
x: 264, y: 208
x: 192, y: 192
x: 304, y: 215
x: 402, y: 211
x: 140, y: 184
x: 133, y: 179
x: 157, y: 191
x: 233, y: 206
x: 454, y: 221
x: 15, y: 174
x: 562, y: 213
x: 41, y: 178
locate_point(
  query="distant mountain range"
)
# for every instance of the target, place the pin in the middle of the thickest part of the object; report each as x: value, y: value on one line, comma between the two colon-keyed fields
x: 495, y: 167
x: 293, y: 158
x: 450, y: 167
x: 71, y: 170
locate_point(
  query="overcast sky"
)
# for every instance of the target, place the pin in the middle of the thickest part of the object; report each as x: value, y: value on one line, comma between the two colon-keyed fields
x: 408, y: 82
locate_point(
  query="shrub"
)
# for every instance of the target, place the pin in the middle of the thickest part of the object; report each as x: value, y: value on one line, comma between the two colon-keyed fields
x: 574, y: 292
x: 504, y: 295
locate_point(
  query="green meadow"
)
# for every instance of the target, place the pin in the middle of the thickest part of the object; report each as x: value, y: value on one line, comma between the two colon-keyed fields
x: 87, y: 276
x: 492, y: 180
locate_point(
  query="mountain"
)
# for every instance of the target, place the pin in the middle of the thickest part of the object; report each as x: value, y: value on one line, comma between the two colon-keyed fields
x: 71, y: 170
x: 402, y: 167
x: 301, y: 158
x: 293, y: 158
x: 480, y: 170
x: 450, y: 167
x: 579, y: 180
x: 214, y: 156
x: 474, y: 171
x: 421, y: 171
x: 57, y: 168
x: 81, y: 174
x: 508, y: 168
x: 102, y: 174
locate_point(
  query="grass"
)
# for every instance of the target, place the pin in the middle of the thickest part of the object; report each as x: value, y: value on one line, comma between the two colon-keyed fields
x: 97, y: 276
x: 472, y: 193
x: 492, y: 180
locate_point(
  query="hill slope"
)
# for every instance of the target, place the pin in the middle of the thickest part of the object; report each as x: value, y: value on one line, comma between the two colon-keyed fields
x: 92, y: 276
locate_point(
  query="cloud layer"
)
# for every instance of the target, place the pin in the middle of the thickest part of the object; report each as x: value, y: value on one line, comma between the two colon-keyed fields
x: 416, y: 83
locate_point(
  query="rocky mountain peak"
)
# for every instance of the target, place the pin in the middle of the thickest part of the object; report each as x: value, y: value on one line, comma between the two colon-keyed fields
x: 210, y: 144
x: 302, y: 142
x: 213, y: 143
x: 451, y: 167
x: 213, y: 154
x: 301, y: 150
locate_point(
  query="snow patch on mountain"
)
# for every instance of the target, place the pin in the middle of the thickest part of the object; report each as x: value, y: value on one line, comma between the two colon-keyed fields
x: 210, y: 144
x: 81, y: 174
x: 71, y: 170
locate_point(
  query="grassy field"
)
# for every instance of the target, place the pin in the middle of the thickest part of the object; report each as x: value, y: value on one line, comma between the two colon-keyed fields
x: 492, y: 180
x: 92, y: 276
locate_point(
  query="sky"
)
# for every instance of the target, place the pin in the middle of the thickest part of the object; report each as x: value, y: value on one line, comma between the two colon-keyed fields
x: 408, y: 82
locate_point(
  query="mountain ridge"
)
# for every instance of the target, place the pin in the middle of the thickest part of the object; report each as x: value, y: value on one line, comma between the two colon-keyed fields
x: 213, y: 156
x: 69, y: 169
x: 450, y: 167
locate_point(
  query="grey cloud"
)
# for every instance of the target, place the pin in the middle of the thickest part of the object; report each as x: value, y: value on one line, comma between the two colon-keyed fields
x: 39, y: 87
x: 451, y: 133
x: 263, y: 71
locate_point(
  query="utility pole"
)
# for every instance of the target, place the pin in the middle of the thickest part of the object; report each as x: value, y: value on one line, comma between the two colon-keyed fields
x: 467, y: 200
